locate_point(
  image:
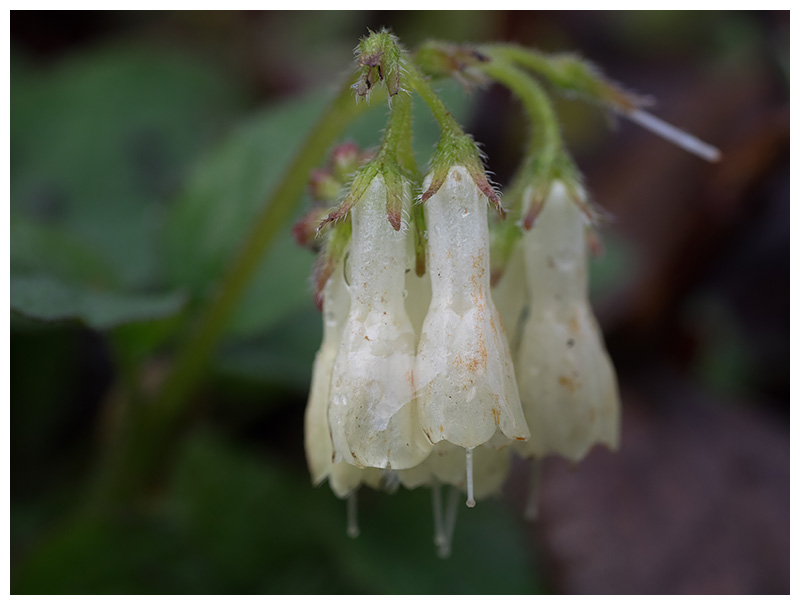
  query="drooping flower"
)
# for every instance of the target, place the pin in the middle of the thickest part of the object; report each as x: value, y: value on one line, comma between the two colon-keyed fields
x: 344, y: 478
x: 446, y: 464
x: 566, y: 381
x: 466, y: 389
x: 373, y: 412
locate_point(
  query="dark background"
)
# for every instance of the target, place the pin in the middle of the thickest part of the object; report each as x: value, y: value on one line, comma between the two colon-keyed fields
x: 117, y: 119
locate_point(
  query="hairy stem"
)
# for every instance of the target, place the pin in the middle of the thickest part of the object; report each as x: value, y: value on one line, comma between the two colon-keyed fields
x: 543, y: 120
x: 397, y: 139
x: 447, y: 123
x: 568, y: 72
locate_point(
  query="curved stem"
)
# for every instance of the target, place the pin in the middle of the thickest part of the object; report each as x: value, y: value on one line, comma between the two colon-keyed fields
x: 545, y: 146
x: 545, y: 143
x: 197, y: 349
x: 545, y: 135
x: 447, y: 123
x: 455, y: 146
x: 581, y: 77
x: 397, y: 139
x: 146, y: 438
x: 571, y: 73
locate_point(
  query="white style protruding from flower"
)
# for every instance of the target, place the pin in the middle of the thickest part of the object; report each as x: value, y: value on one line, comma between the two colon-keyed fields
x: 344, y: 478
x: 446, y: 464
x: 372, y: 413
x: 566, y: 380
x: 465, y: 377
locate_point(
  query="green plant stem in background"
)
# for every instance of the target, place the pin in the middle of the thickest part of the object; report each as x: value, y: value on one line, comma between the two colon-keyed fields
x: 567, y: 72
x: 144, y: 439
x: 545, y: 142
x: 194, y: 354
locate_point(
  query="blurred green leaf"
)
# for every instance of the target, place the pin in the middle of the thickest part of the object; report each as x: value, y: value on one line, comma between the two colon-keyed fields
x: 143, y: 554
x: 222, y: 199
x: 235, y: 521
x: 99, y: 141
x: 273, y: 533
x: 251, y: 519
x: 47, y: 299
x: 282, y: 356
x: 38, y: 248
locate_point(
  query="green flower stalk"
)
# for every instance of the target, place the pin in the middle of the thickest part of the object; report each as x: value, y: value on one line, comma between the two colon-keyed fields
x: 576, y: 77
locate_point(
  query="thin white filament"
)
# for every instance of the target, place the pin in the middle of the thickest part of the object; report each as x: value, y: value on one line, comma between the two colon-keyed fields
x: 391, y: 481
x: 532, y: 505
x: 675, y: 135
x: 439, y: 531
x: 449, y: 523
x: 470, y: 492
x: 352, y: 515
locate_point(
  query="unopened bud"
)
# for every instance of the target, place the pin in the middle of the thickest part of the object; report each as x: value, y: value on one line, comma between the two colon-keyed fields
x: 304, y: 230
x: 381, y: 60
x: 345, y: 159
x: 323, y: 186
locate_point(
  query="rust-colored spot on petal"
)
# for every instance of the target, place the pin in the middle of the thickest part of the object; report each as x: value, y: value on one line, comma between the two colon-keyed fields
x: 574, y: 325
x: 569, y: 383
x: 496, y: 415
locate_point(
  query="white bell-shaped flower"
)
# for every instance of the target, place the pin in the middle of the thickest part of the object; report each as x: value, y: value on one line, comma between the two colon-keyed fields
x: 344, y: 478
x: 566, y: 381
x: 373, y: 414
x: 465, y: 376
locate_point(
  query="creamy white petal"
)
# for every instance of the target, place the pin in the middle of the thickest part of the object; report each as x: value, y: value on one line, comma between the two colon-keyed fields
x: 446, y: 465
x: 335, y: 307
x: 345, y: 478
x: 372, y: 413
x: 566, y: 380
x: 465, y: 377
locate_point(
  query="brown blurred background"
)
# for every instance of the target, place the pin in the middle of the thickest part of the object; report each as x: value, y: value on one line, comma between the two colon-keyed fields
x: 692, y: 293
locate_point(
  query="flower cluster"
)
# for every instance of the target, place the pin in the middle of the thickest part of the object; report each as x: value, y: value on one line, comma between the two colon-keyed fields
x: 414, y: 375
x: 449, y: 346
